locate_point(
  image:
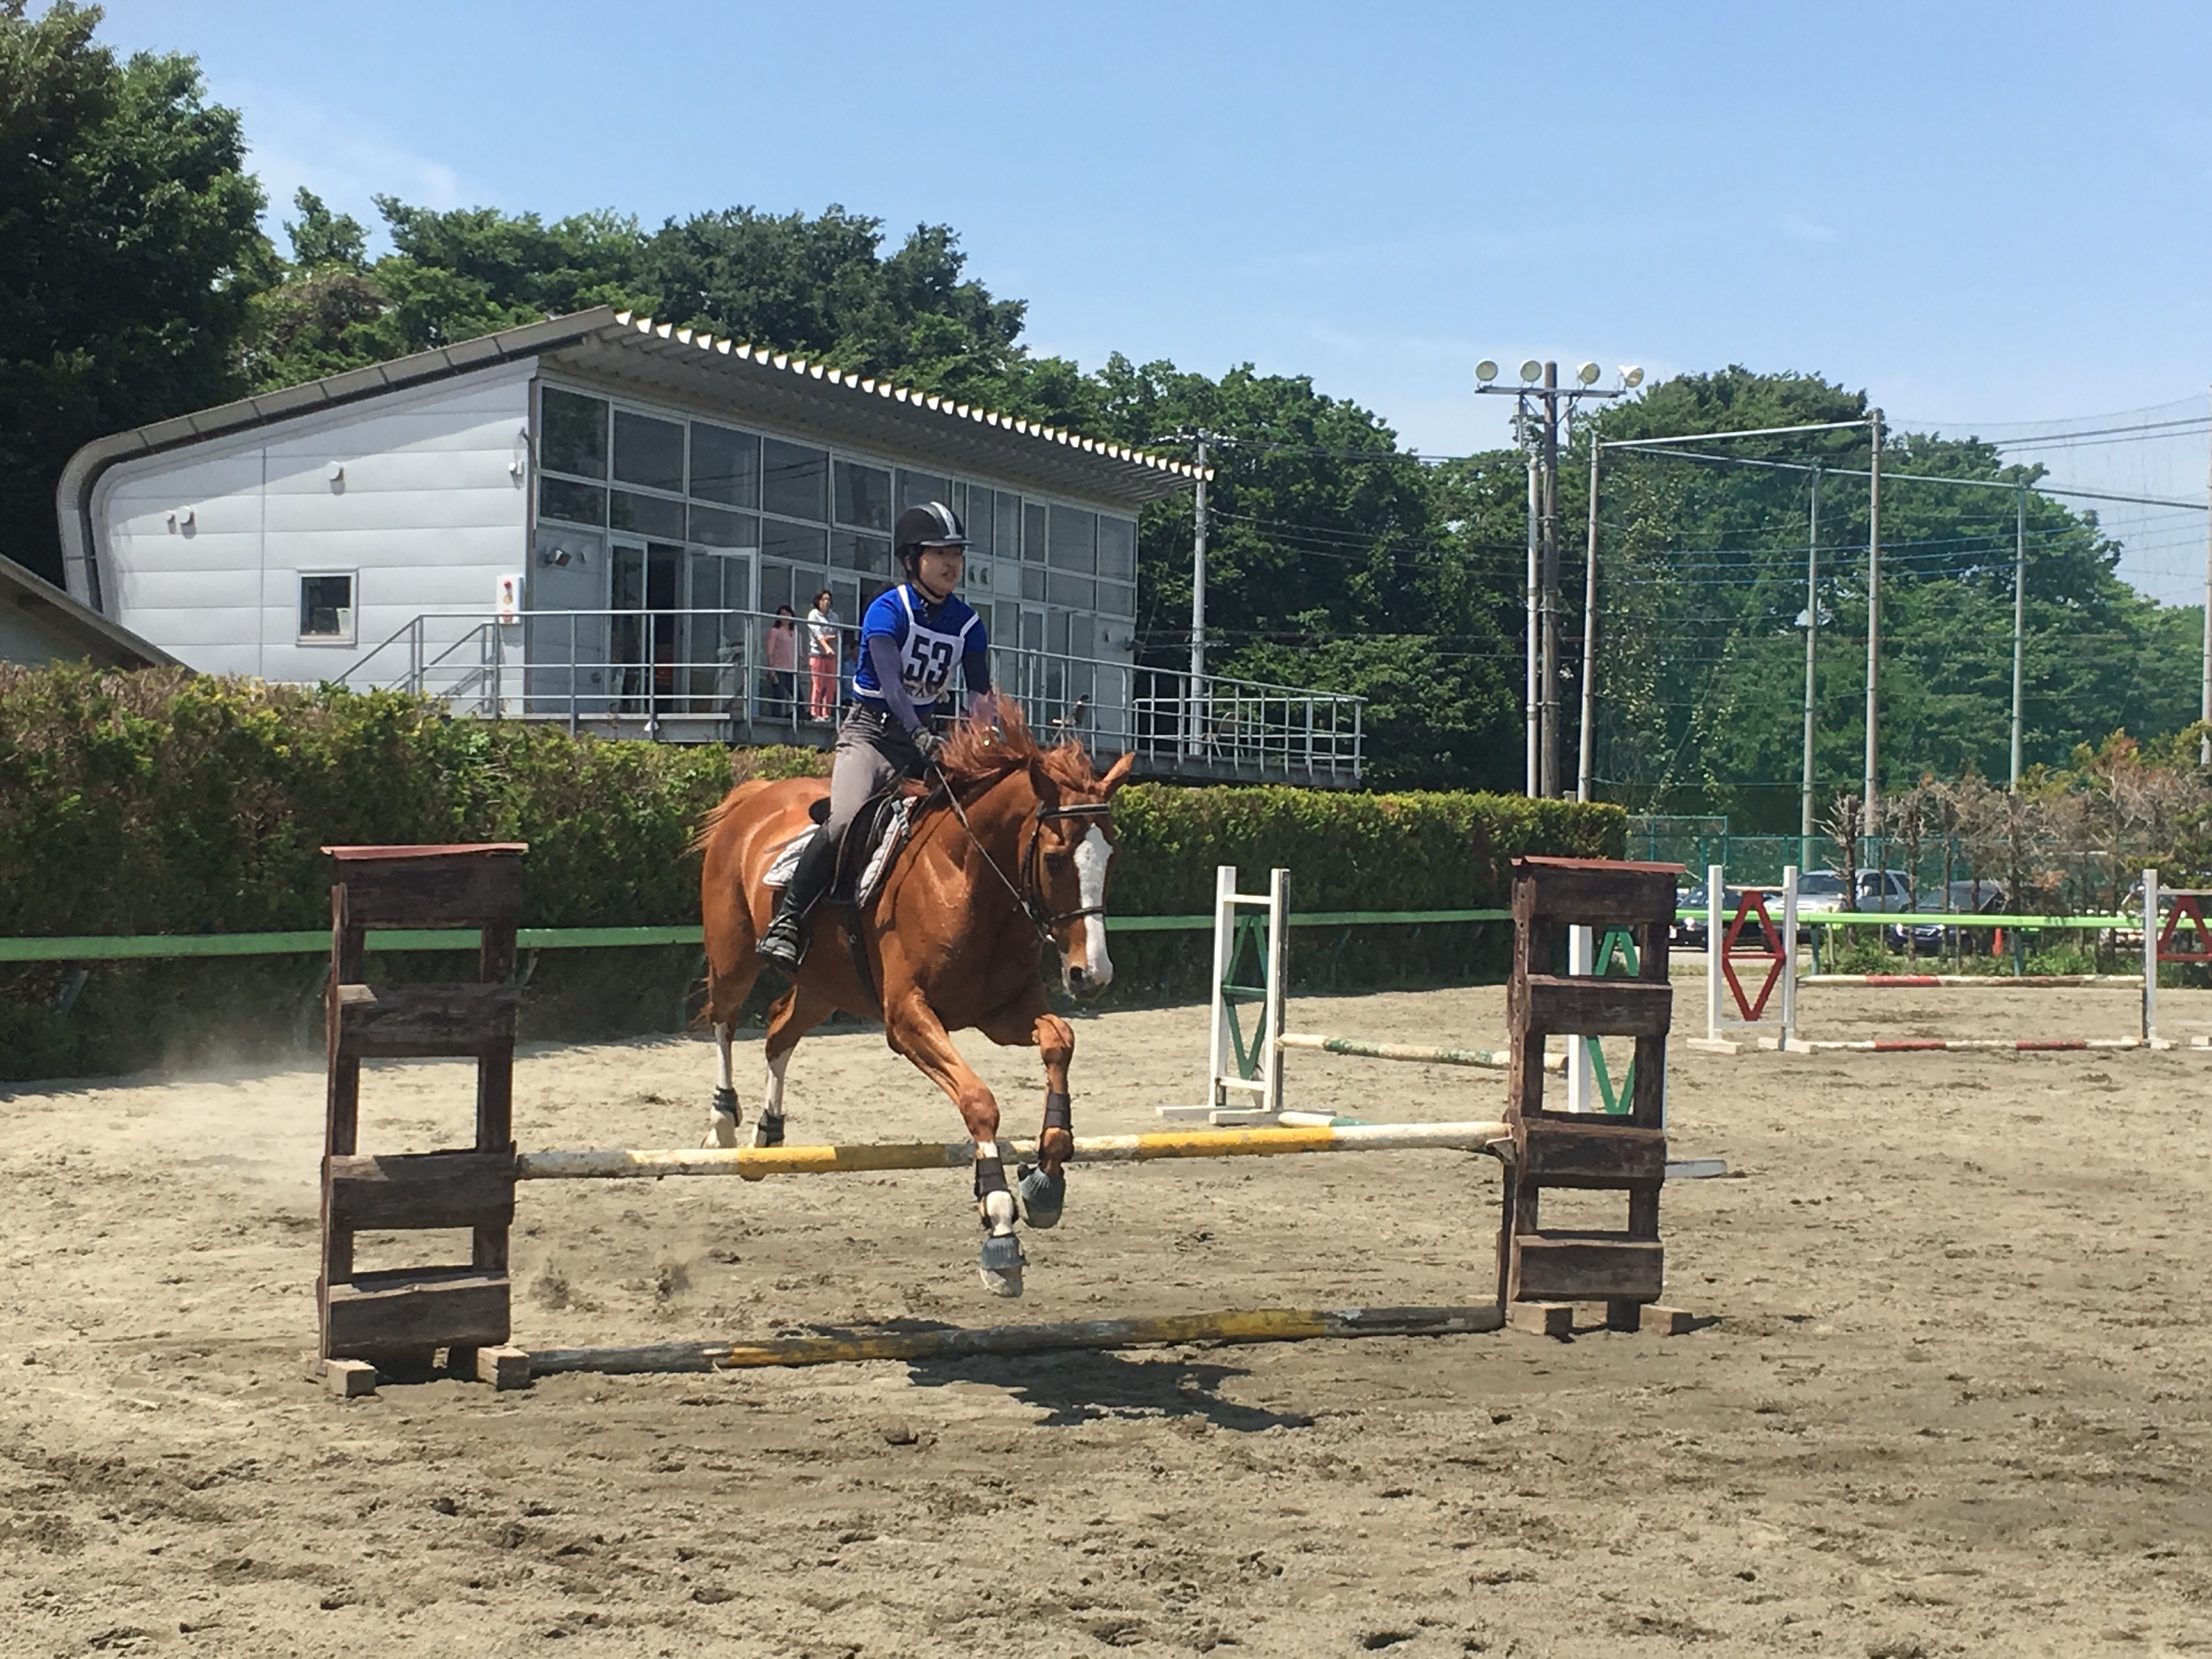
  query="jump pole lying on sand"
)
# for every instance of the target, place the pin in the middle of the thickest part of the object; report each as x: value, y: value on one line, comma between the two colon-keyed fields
x: 1495, y: 1059
x: 1251, y: 1325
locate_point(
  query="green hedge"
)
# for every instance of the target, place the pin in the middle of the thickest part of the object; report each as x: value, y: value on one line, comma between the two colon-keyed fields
x: 156, y: 802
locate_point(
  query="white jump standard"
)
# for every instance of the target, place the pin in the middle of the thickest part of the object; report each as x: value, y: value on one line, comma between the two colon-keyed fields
x: 1734, y: 1012
x: 1245, y: 1076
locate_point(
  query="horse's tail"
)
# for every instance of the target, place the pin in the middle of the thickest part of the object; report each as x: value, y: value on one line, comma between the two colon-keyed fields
x: 712, y: 818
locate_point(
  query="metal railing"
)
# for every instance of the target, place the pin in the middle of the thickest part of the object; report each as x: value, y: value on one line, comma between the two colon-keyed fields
x: 703, y: 676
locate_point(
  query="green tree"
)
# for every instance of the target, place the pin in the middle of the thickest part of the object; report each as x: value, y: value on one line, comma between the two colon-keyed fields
x: 130, y: 248
x: 1335, y: 559
x: 1700, y: 667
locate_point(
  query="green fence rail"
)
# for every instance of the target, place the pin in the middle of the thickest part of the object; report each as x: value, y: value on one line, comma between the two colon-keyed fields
x: 110, y: 947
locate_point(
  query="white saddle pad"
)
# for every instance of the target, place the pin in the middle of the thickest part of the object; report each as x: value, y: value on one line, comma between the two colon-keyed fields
x: 895, y: 823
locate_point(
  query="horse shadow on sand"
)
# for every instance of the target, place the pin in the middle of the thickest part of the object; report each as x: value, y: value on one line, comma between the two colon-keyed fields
x: 1086, y: 1386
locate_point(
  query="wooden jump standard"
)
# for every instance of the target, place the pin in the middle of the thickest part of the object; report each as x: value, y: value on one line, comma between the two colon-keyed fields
x: 397, y: 1321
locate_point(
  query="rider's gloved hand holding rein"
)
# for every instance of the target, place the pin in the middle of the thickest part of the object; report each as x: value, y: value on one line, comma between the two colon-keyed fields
x: 911, y: 638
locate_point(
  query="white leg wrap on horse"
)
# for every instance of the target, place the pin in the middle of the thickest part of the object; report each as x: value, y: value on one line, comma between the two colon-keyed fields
x: 722, y: 1115
x: 772, y: 1103
x: 1001, y: 1263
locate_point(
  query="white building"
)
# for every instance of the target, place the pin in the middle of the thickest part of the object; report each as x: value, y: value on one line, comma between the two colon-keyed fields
x: 594, y: 519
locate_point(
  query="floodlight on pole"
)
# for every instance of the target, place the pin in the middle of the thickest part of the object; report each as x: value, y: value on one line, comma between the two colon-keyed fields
x: 1546, y: 410
x: 1631, y: 377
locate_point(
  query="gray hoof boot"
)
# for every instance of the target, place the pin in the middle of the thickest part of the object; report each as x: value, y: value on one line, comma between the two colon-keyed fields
x: 1043, y: 1197
x: 1000, y: 1264
x: 767, y: 1131
x: 722, y: 1121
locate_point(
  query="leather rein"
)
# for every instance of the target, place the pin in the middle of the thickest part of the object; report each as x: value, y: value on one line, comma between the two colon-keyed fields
x: 1030, y: 894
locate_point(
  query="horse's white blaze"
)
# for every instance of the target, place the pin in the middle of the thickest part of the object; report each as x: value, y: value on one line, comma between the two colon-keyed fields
x: 773, y: 1105
x: 723, y: 1076
x: 1091, y: 857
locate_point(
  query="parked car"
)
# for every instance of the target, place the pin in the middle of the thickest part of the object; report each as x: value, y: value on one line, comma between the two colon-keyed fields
x: 1689, y: 929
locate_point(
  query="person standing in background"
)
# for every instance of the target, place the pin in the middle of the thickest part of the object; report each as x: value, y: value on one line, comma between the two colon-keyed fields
x: 782, y: 654
x: 822, y: 657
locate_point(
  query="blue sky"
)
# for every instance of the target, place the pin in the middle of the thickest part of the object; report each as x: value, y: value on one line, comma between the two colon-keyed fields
x: 1989, y: 216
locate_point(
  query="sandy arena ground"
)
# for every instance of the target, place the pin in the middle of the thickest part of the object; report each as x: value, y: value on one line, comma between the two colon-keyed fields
x: 1955, y: 1403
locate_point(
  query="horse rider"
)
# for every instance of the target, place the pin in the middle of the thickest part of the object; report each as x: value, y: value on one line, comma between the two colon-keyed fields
x: 910, y: 638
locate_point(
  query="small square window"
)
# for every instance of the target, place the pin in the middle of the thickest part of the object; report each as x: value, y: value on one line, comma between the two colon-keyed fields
x: 326, y: 608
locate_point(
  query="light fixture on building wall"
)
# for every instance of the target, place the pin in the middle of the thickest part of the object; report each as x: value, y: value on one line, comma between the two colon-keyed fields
x: 559, y: 557
x: 335, y: 474
x: 182, y: 519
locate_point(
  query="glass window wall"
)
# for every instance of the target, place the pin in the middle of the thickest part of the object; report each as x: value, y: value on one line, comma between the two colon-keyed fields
x: 648, y: 452
x: 1073, y: 546
x: 737, y: 521
x: 864, y: 496
x: 725, y: 465
x: 649, y: 515
x: 795, y: 479
x: 919, y: 488
x: 717, y: 527
x: 564, y: 498
x: 574, y: 436
x: 1117, y: 548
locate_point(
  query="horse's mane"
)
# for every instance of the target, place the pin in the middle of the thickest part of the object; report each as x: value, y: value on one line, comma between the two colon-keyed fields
x: 978, y: 754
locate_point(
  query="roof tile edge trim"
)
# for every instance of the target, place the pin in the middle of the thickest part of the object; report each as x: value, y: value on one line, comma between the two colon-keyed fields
x: 936, y: 404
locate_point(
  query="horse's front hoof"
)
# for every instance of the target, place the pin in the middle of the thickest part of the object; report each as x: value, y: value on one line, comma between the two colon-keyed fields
x: 1043, y: 1197
x: 1000, y: 1265
x: 768, y: 1132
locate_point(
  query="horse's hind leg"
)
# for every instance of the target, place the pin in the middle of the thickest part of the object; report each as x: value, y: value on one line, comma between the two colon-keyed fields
x: 795, y: 1013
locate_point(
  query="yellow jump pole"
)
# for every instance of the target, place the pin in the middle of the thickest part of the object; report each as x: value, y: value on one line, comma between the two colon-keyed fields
x: 758, y: 1162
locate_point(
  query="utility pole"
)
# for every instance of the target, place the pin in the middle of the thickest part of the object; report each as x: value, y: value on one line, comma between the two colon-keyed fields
x: 2204, y: 699
x: 2019, y: 621
x: 1812, y: 660
x: 1528, y: 690
x: 1549, y: 601
x: 1546, y: 410
x: 1193, y: 730
x: 1585, y: 733
x: 1871, y: 817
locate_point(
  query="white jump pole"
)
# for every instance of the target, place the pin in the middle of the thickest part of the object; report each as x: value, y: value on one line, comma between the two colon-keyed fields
x: 1218, y: 1057
x: 1716, y: 921
x: 1582, y: 1077
x: 1789, y: 956
x: 1278, y: 975
x: 2150, y: 958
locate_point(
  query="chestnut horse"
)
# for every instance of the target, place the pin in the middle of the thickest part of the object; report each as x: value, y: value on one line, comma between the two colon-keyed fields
x: 1016, y: 854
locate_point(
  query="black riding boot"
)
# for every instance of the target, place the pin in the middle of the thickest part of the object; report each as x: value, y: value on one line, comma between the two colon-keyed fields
x: 784, y: 945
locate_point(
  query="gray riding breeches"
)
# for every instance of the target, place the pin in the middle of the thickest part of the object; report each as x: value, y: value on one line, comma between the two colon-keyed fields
x: 872, y: 755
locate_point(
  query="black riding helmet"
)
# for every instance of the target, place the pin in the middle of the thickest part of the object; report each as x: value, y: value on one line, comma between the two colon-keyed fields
x: 930, y: 525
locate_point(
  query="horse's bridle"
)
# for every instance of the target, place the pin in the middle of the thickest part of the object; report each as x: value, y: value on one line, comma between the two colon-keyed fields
x: 1030, y: 894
